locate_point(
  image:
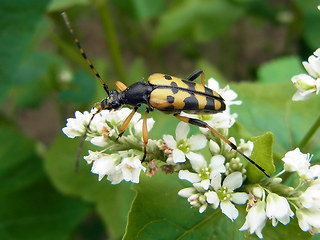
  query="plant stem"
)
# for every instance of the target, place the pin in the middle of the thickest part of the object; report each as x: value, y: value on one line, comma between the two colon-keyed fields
x: 111, y: 38
x: 310, y: 133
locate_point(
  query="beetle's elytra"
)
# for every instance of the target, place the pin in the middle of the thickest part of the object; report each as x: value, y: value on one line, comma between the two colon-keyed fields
x: 165, y: 93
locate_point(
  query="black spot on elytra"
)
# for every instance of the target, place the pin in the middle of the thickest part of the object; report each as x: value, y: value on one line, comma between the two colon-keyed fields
x: 170, y: 99
x: 167, y: 77
x: 191, y: 103
x: 174, y: 87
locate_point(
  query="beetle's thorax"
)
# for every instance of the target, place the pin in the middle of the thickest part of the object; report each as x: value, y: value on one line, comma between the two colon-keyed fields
x: 134, y: 95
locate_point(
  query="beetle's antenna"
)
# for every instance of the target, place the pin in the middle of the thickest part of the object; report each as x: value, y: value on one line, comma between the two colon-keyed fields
x: 84, y: 55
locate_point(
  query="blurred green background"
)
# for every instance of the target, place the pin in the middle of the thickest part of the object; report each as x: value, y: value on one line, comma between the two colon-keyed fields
x: 44, y: 80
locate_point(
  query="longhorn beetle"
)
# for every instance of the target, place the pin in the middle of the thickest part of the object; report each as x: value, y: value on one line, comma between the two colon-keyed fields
x: 165, y: 93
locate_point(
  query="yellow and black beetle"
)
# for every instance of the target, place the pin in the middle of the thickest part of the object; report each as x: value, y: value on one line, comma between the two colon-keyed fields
x: 165, y: 93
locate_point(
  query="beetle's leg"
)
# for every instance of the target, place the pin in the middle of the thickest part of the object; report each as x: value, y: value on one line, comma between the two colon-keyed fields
x: 200, y: 123
x: 127, y: 121
x: 145, y: 134
x: 121, y: 86
x: 195, y: 75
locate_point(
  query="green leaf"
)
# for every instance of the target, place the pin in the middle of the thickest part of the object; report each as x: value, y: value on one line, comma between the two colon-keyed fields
x: 159, y: 213
x: 263, y: 155
x: 196, y: 20
x: 33, y: 206
x: 112, y: 202
x: 82, y: 90
x: 268, y: 107
x: 18, y: 23
x: 157, y: 206
x: 280, y: 70
x: 35, y: 78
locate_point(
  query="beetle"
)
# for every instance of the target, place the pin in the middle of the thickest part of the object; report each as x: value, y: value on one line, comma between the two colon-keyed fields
x: 165, y: 93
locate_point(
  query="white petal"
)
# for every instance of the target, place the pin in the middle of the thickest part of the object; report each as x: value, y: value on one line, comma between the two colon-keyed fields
x: 169, y: 140
x: 199, y: 187
x: 257, y: 191
x: 213, y: 84
x: 100, y: 141
x: 214, y: 147
x: 203, y: 208
x: 205, y: 184
x: 189, y: 176
x: 216, y: 182
x: 312, y: 66
x: 187, y: 192
x: 197, y: 161
x: 197, y: 142
x: 278, y: 208
x: 255, y: 219
x: 178, y: 156
x: 229, y: 210
x: 217, y: 161
x: 212, y: 198
x: 299, y: 96
x: 239, y: 197
x: 182, y: 131
x: 233, y: 181
x: 104, y: 165
x: 138, y: 126
x: 115, y: 177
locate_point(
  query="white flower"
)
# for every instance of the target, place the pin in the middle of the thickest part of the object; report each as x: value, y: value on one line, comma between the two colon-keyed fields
x: 314, y: 172
x: 77, y: 126
x: 214, y: 147
x: 255, y: 219
x: 196, y: 196
x: 246, y: 147
x: 278, y: 209
x: 226, y: 194
x: 297, y: 161
x: 183, y: 146
x: 130, y: 167
x: 310, y: 199
x: 116, y: 118
x: 307, y: 85
x: 309, y: 220
x: 103, y: 164
x: 313, y: 64
x: 258, y: 191
x: 226, y: 93
x: 138, y: 126
x: 203, y: 172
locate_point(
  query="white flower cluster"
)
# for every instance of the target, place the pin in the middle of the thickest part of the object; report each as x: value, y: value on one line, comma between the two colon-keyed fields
x: 308, y: 84
x: 217, y: 181
x: 214, y: 184
x: 305, y: 197
x: 124, y: 160
x: 103, y: 132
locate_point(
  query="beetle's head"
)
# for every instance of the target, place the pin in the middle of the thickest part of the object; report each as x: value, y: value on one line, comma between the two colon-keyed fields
x: 111, y: 102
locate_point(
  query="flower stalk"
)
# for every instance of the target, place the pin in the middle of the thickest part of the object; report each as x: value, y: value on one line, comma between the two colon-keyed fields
x: 314, y: 128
